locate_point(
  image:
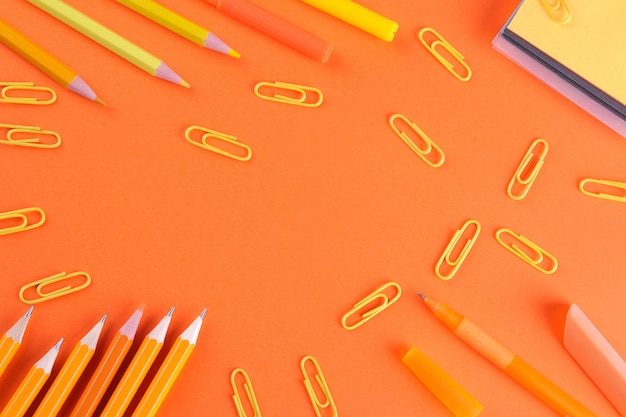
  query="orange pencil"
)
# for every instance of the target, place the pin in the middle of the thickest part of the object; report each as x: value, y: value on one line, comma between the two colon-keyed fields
x: 11, y: 340
x: 69, y: 374
x: 169, y: 370
x: 138, y: 368
x: 106, y: 370
x: 32, y: 384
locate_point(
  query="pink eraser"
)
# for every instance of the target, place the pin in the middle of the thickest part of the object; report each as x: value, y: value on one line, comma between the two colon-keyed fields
x: 596, y: 356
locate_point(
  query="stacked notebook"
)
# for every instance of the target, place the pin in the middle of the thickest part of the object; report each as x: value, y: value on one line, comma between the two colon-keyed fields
x: 578, y: 47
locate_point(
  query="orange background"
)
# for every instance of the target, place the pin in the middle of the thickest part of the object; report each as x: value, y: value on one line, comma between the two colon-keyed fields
x: 331, y: 206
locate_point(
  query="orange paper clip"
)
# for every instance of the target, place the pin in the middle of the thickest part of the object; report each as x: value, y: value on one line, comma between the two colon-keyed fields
x: 301, y: 98
x: 455, y: 264
x: 538, y: 256
x: 613, y: 186
x: 21, y: 87
x: 208, y: 134
x: 377, y: 296
x: 37, y: 141
x: 558, y: 10
x: 318, y: 405
x: 42, y: 283
x: 440, y: 41
x: 430, y: 148
x: 522, y: 181
x: 21, y: 216
x: 247, y: 385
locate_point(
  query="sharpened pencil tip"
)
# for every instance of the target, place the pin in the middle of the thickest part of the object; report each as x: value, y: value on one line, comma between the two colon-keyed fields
x: 100, y: 101
x: 184, y: 83
x: 234, y: 54
x: 171, y: 312
x: 59, y: 343
x: 203, y: 313
x: 103, y: 319
x: 30, y: 310
x: 422, y: 296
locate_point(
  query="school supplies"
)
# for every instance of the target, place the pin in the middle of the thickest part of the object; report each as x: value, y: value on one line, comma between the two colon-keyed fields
x: 276, y: 27
x: 507, y: 361
x: 358, y: 16
x: 14, y: 92
x: 179, y: 24
x: 439, y: 41
x: 522, y: 179
x: 12, y: 340
x: 70, y: 373
x: 528, y: 251
x: 45, y: 62
x: 453, y: 265
x: 380, y: 300
x: 451, y: 394
x: 109, y: 39
x: 170, y: 369
x: 558, y: 10
x: 31, y: 384
x: 208, y: 134
x: 24, y: 217
x: 44, y: 139
x: 247, y: 386
x: 302, y: 97
x: 611, y: 190
x: 430, y: 153
x: 138, y: 368
x: 596, y: 356
x: 42, y: 295
x: 322, y: 386
x: 107, y: 368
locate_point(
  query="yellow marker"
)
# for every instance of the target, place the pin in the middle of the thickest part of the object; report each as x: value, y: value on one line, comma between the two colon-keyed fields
x: 521, y: 182
x: 13, y: 92
x: 247, y: 385
x: 440, y: 41
x: 21, y: 216
x: 138, y: 368
x: 70, y: 373
x: 12, y: 340
x: 318, y: 405
x: 618, y: 189
x: 37, y: 141
x: 302, y: 98
x: 42, y: 283
x: 455, y: 264
x: 169, y: 370
x: 536, y: 259
x: 358, y: 16
x: 31, y: 384
x: 379, y: 296
x: 213, y: 134
x: 431, y: 147
x: 558, y: 10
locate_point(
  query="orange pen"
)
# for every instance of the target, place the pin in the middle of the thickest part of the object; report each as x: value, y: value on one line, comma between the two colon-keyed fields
x: 32, y: 384
x: 107, y: 368
x: 169, y: 370
x: 69, y: 374
x: 507, y: 361
x: 11, y: 340
x: 138, y: 368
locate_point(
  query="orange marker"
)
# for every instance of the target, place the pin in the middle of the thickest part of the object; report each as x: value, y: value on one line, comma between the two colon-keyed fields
x: 507, y: 361
x: 106, y: 370
x: 32, y: 384
x: 69, y: 374
x: 138, y: 368
x: 169, y: 370
x: 11, y: 340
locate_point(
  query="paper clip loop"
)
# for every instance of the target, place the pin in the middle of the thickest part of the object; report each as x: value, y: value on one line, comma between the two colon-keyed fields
x: 377, y: 295
x: 319, y: 377
x: 455, y: 264
x: 247, y: 385
x: 34, y: 142
x: 300, y: 100
x: 208, y: 133
x: 525, y: 182
x: 618, y: 186
x: 538, y: 256
x: 6, y: 87
x: 42, y: 283
x: 431, y: 147
x: 440, y: 41
x: 21, y: 216
x: 559, y: 11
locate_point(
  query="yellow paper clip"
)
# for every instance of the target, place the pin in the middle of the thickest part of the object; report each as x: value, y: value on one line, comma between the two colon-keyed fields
x: 208, y: 133
x: 431, y: 147
x: 21, y: 216
x: 33, y: 142
x: 616, y: 185
x: 6, y: 87
x: 455, y: 264
x: 559, y: 11
x: 321, y: 381
x: 538, y: 256
x: 440, y: 41
x: 42, y: 283
x: 377, y: 295
x: 525, y: 182
x: 247, y: 385
x: 303, y: 93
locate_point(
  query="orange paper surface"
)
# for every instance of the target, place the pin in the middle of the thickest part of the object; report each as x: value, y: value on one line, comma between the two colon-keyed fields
x: 331, y: 205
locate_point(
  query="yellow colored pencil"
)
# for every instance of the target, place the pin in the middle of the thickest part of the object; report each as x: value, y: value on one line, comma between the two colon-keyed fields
x: 11, y: 340
x: 169, y: 370
x: 70, y: 372
x: 179, y: 24
x: 31, y: 384
x: 109, y: 39
x: 138, y: 368
x: 107, y: 368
